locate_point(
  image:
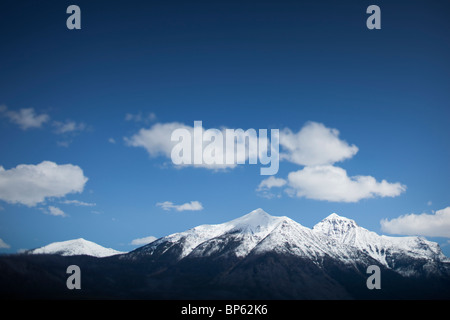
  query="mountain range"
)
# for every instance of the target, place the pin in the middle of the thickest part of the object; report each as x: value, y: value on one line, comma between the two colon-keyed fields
x: 256, y: 256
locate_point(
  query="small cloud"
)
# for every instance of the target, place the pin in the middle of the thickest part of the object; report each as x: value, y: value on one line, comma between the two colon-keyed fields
x: 139, y: 117
x: 68, y: 130
x: 190, y: 206
x: 267, y: 184
x: 78, y: 203
x: 271, y: 182
x: 4, y: 245
x: 143, y: 241
x: 429, y: 203
x: 431, y: 225
x: 68, y: 127
x: 111, y: 140
x: 25, y: 118
x: 64, y: 144
x: 54, y: 211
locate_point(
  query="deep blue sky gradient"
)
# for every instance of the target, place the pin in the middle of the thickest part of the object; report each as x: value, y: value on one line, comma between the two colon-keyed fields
x: 240, y: 64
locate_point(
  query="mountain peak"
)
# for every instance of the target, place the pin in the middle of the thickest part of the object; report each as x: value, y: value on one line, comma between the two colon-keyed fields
x: 258, y: 212
x: 255, y: 220
x: 335, y: 224
x: 335, y: 216
x: 74, y: 247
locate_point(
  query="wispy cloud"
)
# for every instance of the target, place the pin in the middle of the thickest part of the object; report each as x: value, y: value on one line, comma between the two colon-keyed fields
x: 69, y: 126
x: 271, y: 182
x: 78, y: 203
x: 189, y: 206
x: 143, y: 241
x: 25, y: 118
x: 55, y: 211
x: 140, y: 117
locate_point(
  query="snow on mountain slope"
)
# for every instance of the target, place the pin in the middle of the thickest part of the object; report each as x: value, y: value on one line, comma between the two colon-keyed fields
x: 335, y: 237
x: 344, y: 234
x: 75, y: 247
x: 292, y: 238
x: 250, y: 229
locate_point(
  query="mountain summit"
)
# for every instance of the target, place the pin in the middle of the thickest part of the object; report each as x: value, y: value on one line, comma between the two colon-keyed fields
x: 74, y: 248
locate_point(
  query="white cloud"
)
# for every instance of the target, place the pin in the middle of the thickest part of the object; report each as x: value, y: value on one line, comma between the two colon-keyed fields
x: 189, y: 206
x: 68, y: 127
x: 157, y: 141
x: 143, y: 241
x: 314, y: 144
x: 431, y: 225
x: 54, y: 211
x: 78, y: 203
x: 111, y: 140
x: 271, y: 182
x: 32, y: 184
x: 25, y: 118
x: 4, y: 245
x: 331, y: 183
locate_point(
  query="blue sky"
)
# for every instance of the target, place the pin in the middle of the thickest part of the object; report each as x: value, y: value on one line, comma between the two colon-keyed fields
x: 76, y: 98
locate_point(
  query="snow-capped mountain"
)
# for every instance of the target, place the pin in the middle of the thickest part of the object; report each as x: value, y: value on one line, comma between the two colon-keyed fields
x: 334, y: 237
x: 344, y: 235
x: 74, y: 248
x: 256, y: 256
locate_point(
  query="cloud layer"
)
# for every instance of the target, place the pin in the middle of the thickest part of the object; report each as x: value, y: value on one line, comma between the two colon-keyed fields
x: 314, y: 147
x: 431, y: 225
x: 32, y: 184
